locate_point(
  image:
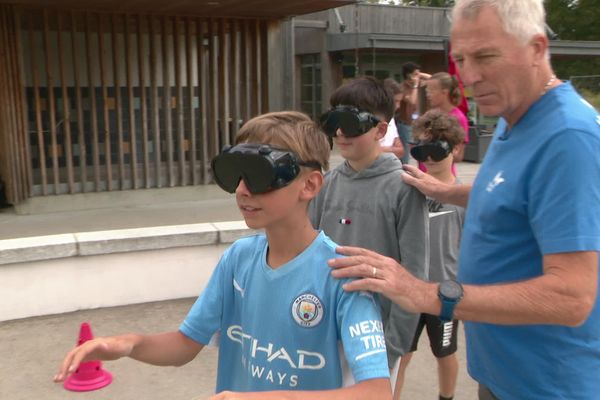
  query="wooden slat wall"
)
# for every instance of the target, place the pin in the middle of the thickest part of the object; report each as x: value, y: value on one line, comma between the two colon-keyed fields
x: 14, y: 150
x: 179, y: 104
x: 213, y: 82
x: 105, y: 103
x: 132, y: 142
x: 142, y: 61
x: 81, y: 139
x: 189, y: 54
x: 93, y: 122
x: 117, y: 59
x: 66, y: 108
x: 202, y: 93
x: 155, y: 101
x: 51, y: 105
x: 123, y: 101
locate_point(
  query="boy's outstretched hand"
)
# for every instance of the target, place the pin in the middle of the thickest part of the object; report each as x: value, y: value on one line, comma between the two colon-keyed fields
x: 108, y: 348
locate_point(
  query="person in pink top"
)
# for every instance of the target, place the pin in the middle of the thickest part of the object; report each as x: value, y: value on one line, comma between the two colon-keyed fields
x: 444, y: 94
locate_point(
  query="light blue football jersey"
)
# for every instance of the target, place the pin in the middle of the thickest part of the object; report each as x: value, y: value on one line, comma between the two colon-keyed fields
x: 290, y: 328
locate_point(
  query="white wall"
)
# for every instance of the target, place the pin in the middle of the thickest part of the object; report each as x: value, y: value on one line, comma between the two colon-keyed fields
x: 68, y: 284
x: 52, y: 274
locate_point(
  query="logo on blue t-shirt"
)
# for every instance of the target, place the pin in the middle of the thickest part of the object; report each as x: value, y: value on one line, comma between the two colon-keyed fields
x: 307, y: 310
x: 498, y: 179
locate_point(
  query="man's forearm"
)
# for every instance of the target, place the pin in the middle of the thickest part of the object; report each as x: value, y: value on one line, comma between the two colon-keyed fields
x: 519, y: 303
x: 561, y: 296
x: 455, y: 194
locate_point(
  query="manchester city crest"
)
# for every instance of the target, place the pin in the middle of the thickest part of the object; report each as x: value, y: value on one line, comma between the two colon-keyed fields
x: 307, y: 310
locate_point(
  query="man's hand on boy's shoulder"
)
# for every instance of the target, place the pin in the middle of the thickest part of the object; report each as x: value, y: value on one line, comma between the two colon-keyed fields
x: 427, y: 184
x: 434, y: 188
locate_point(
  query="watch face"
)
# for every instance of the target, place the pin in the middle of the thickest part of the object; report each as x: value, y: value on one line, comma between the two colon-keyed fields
x: 451, y: 289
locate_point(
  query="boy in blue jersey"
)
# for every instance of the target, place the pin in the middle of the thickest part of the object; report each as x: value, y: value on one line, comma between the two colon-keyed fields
x: 284, y: 326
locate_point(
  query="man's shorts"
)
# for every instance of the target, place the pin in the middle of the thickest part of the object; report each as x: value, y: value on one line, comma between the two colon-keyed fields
x: 442, y: 336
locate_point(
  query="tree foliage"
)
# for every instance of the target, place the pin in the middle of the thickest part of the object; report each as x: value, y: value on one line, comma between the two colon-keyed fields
x: 428, y: 3
x: 569, y: 19
x: 575, y: 20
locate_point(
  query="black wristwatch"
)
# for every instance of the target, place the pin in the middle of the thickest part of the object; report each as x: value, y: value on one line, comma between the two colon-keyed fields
x: 450, y: 292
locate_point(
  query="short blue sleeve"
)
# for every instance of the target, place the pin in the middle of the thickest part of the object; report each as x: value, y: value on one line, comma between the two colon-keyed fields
x: 565, y: 194
x: 362, y: 336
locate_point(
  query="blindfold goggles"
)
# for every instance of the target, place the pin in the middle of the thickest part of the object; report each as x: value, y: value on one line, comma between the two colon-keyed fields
x: 437, y: 150
x: 350, y: 120
x: 262, y: 167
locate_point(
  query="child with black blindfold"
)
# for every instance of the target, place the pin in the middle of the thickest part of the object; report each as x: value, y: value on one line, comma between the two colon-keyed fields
x: 285, y: 328
x: 364, y: 201
x: 437, y: 138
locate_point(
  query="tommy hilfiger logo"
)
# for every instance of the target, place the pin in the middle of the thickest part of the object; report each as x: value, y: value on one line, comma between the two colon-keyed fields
x: 345, y: 221
x: 498, y: 179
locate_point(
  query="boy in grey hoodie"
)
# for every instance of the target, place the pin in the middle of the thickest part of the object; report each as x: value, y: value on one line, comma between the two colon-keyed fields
x: 365, y: 203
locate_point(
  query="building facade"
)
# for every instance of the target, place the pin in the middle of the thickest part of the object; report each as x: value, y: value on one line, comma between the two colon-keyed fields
x: 375, y: 39
x: 106, y: 95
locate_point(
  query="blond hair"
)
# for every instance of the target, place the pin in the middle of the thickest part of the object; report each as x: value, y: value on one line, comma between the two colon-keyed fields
x: 288, y: 130
x: 450, y: 83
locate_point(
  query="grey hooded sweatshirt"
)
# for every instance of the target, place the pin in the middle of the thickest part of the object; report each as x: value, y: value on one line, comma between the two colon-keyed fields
x: 376, y: 210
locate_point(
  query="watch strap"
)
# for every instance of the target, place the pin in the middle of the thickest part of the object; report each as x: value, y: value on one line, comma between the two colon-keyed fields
x: 450, y: 292
x: 447, y: 311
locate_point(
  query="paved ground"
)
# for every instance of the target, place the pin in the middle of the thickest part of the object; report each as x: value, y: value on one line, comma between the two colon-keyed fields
x: 30, y: 349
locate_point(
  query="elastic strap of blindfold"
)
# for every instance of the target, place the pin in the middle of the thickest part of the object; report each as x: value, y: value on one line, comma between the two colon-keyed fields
x: 265, y: 150
x: 310, y: 164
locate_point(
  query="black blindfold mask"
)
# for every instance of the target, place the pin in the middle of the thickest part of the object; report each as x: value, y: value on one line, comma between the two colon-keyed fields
x: 437, y: 150
x: 262, y: 167
x: 350, y: 120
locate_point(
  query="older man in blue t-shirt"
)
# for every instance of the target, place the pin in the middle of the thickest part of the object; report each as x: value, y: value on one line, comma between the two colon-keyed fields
x: 528, y: 266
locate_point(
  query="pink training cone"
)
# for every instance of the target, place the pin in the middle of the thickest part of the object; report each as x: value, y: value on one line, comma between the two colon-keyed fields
x: 90, y: 375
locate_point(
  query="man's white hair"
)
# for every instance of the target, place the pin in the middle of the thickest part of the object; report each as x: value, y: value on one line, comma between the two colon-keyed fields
x: 520, y: 18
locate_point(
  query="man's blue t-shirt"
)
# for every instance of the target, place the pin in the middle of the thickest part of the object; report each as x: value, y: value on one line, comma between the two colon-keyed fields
x: 290, y: 328
x: 537, y: 192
